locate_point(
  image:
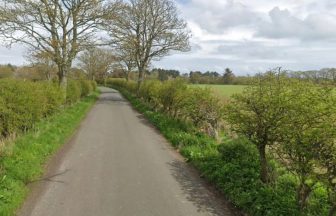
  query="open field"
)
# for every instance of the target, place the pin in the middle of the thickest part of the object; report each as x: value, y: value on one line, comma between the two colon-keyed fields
x: 224, y: 90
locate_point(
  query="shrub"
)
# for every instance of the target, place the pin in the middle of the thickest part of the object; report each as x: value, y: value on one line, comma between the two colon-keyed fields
x: 171, y: 96
x: 175, y: 98
x: 94, y: 85
x: 73, y: 91
x: 203, y: 109
x: 240, y: 152
x: 150, y: 91
x: 86, y: 87
x: 233, y: 166
x: 54, y: 95
x: 23, y: 103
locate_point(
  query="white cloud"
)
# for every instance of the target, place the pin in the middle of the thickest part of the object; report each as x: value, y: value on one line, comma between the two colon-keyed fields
x: 250, y: 36
x: 283, y: 24
x: 254, y: 35
x: 15, y: 55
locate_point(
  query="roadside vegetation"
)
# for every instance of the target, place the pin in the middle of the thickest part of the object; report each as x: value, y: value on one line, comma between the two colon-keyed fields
x: 223, y: 91
x: 35, y: 121
x: 269, y: 149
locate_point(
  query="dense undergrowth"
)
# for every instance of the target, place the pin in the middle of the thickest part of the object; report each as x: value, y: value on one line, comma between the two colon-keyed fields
x: 233, y: 165
x: 36, y: 123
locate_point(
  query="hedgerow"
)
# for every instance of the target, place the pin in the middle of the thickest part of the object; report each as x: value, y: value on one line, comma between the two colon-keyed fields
x: 23, y: 103
x: 234, y: 164
x: 23, y: 159
x: 174, y: 98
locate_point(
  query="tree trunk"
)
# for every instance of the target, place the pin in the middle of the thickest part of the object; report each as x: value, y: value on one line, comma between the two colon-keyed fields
x: 302, y: 196
x: 263, y: 164
x: 140, y: 79
x: 62, y: 79
x: 126, y: 76
x: 63, y: 82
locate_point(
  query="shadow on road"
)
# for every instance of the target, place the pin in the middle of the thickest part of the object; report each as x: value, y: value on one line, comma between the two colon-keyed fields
x: 111, y: 96
x: 203, y: 200
x: 50, y: 178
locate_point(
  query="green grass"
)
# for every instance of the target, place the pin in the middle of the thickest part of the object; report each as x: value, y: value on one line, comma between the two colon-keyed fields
x: 233, y: 167
x: 224, y: 90
x: 22, y: 160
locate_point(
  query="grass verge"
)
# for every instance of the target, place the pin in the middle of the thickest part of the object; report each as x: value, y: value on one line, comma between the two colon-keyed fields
x: 233, y: 167
x: 22, y: 160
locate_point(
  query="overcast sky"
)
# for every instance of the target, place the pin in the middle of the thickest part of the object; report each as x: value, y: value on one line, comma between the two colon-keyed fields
x: 249, y: 36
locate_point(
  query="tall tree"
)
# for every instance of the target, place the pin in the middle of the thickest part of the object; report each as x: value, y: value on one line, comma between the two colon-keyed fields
x: 97, y: 62
x: 228, y: 76
x: 61, y: 28
x: 126, y: 56
x: 307, y: 129
x: 151, y: 28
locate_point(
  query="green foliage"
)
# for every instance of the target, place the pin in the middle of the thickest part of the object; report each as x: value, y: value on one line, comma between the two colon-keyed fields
x: 54, y: 95
x: 305, y: 130
x: 171, y: 96
x: 23, y: 103
x: 203, y: 109
x: 257, y: 113
x: 23, y: 161
x: 228, y: 76
x: 234, y: 166
x: 86, y: 87
x: 174, y: 98
x: 73, y: 91
x: 223, y: 91
x: 94, y: 85
x: 150, y: 91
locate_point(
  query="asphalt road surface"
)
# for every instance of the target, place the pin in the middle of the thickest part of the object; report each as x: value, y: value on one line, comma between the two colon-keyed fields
x: 119, y: 165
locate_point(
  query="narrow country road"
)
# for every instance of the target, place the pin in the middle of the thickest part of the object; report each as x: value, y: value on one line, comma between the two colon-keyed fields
x: 118, y: 165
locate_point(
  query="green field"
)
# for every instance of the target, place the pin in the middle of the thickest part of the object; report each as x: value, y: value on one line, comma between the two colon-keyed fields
x: 224, y: 90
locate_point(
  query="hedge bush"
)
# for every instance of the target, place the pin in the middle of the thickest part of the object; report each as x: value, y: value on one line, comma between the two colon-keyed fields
x: 23, y: 103
x: 86, y: 87
x: 233, y: 166
x: 176, y: 99
x: 94, y: 85
x: 73, y: 91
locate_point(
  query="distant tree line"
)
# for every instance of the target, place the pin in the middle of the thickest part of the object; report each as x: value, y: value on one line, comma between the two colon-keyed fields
x: 38, y: 72
x: 194, y: 77
x: 99, y: 64
x: 323, y: 76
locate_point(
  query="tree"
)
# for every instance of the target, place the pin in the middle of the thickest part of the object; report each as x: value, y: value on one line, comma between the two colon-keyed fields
x: 195, y: 77
x: 228, y: 76
x: 151, y: 29
x: 126, y: 56
x: 306, y: 129
x: 97, y: 62
x: 327, y: 161
x: 163, y: 74
x: 61, y: 28
x: 257, y: 114
x: 43, y: 63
